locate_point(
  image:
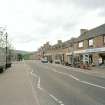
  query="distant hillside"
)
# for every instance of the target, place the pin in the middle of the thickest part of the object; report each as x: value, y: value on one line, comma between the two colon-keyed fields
x: 21, y: 52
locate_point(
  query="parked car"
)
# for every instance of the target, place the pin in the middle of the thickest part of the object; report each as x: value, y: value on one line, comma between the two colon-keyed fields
x: 57, y: 61
x: 44, y: 60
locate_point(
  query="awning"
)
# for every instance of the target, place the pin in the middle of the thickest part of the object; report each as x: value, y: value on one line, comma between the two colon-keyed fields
x: 90, y: 50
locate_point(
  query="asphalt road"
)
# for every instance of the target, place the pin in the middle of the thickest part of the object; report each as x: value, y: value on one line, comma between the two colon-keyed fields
x: 57, y: 85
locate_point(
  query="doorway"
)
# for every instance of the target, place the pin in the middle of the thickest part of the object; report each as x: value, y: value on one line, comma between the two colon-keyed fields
x: 102, y: 55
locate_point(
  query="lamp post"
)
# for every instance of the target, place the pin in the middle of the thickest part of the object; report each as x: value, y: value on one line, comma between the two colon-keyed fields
x: 72, y: 51
x: 6, y: 35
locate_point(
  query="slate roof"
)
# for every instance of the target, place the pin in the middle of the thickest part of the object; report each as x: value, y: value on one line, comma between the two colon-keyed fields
x: 100, y: 30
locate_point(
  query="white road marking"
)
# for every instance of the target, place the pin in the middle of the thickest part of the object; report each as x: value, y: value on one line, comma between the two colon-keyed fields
x: 60, y: 102
x: 33, y: 91
x: 77, y: 79
x: 33, y: 74
x: 54, y: 97
x: 38, y: 83
x: 42, y: 89
x: 84, y: 71
x: 34, y: 94
x: 74, y: 77
x: 92, y: 84
x: 65, y: 74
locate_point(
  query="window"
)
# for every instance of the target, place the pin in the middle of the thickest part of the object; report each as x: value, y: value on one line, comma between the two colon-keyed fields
x: 104, y: 39
x: 90, y: 42
x: 80, y: 44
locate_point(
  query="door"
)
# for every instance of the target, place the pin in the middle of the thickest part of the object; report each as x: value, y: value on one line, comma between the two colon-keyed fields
x: 86, y: 58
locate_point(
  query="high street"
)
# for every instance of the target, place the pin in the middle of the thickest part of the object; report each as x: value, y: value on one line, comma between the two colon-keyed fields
x: 59, y: 85
x: 36, y: 83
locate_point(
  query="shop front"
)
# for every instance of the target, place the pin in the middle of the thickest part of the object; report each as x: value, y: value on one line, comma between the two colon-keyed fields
x: 92, y: 56
x: 102, y: 58
x: 48, y: 57
x: 96, y: 55
x: 59, y: 57
x: 73, y: 59
x: 86, y: 58
x: 69, y: 58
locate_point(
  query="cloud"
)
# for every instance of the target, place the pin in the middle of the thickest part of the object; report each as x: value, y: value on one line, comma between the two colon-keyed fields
x: 89, y: 4
x: 101, y: 12
x: 33, y: 22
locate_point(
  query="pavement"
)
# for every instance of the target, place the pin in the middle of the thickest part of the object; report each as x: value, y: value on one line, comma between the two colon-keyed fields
x: 96, y: 71
x: 16, y: 86
x: 61, y: 85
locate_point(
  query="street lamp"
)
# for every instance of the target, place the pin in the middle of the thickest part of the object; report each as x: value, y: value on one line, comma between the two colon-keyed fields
x: 72, y: 51
x: 6, y: 35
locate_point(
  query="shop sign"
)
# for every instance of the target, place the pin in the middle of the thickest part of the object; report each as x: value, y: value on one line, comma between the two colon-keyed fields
x: 95, y: 50
x: 80, y: 51
x: 47, y: 54
x: 68, y: 54
x: 88, y: 51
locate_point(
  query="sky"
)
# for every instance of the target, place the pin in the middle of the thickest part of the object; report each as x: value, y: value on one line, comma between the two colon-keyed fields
x: 31, y: 23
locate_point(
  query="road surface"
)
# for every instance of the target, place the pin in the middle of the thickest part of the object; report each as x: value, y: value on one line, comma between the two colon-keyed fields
x: 58, y: 85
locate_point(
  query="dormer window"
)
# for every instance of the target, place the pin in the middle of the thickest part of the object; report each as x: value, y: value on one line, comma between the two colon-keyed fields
x: 104, y: 39
x: 80, y: 45
x: 90, y: 42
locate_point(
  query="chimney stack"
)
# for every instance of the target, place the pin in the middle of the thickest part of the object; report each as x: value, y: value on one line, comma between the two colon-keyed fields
x: 59, y: 41
x: 82, y: 31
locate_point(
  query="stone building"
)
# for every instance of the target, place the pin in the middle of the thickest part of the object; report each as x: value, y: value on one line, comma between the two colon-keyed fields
x: 33, y: 56
x: 57, y: 52
x: 89, y: 48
